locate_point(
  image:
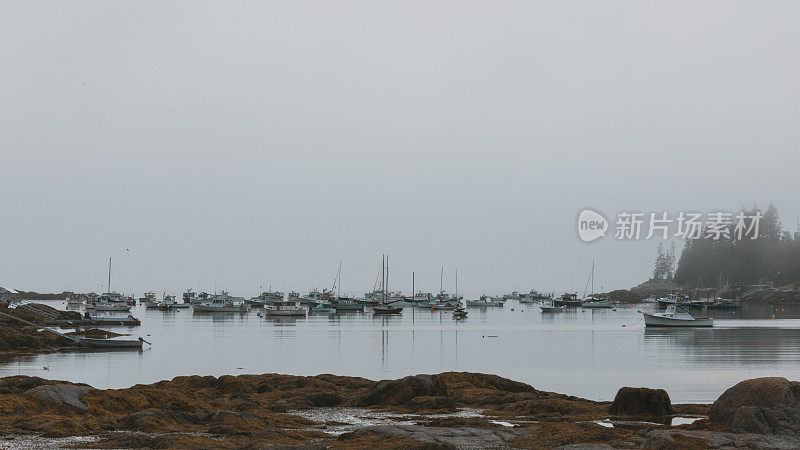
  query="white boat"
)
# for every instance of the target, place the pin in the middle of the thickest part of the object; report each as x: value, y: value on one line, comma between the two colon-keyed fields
x: 111, y: 301
x: 548, y: 306
x: 74, y: 303
x: 221, y: 303
x: 485, y: 301
x: 675, y: 316
x: 285, y: 308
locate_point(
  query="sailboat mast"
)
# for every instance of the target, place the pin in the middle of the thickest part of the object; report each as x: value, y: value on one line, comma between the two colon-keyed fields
x: 387, y: 275
x: 109, y: 275
x: 441, y: 281
x: 456, y: 282
x: 383, y: 279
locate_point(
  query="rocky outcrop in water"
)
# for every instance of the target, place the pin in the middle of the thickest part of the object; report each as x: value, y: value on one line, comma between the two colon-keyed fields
x: 642, y: 403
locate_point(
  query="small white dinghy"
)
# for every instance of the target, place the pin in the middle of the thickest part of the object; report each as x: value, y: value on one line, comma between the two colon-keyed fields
x: 675, y: 316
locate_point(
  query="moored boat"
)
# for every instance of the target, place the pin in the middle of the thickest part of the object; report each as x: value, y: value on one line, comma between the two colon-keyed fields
x: 675, y: 316
x: 285, y: 308
x: 221, y: 303
x: 549, y: 306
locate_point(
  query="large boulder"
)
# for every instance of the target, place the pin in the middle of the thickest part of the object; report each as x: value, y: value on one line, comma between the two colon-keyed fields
x: 62, y: 393
x: 642, y: 403
x: 768, y: 405
x: 400, y: 392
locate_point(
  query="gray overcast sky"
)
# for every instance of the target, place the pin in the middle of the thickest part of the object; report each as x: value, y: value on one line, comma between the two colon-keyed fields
x: 240, y: 144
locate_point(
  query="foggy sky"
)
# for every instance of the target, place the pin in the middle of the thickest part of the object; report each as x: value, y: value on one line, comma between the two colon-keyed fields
x: 246, y: 144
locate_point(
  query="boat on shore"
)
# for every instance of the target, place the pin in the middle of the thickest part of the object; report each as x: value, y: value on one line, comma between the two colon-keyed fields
x: 85, y: 342
x: 675, y: 316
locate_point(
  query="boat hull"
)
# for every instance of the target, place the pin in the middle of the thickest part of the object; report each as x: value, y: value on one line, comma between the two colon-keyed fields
x: 386, y: 310
x: 596, y: 305
x: 205, y: 308
x: 107, y: 343
x: 285, y: 313
x: 480, y: 304
x: 651, y: 320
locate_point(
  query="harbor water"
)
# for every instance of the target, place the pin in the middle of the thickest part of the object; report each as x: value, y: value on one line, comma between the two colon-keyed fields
x: 587, y: 353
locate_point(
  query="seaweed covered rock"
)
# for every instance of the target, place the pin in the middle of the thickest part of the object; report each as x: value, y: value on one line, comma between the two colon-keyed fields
x: 769, y: 405
x: 642, y: 403
x: 400, y: 392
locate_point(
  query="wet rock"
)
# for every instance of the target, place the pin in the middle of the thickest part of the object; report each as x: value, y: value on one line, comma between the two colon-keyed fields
x: 714, y: 439
x: 772, y: 404
x: 642, y: 403
x: 427, y: 402
x: 62, y: 393
x: 400, y: 392
x: 455, y: 437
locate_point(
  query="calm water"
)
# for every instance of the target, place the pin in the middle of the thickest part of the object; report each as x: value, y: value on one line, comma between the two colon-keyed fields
x: 588, y: 353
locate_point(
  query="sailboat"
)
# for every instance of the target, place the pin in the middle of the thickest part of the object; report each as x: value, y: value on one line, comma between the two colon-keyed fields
x: 383, y: 307
x: 593, y: 302
x: 110, y: 301
x: 342, y: 304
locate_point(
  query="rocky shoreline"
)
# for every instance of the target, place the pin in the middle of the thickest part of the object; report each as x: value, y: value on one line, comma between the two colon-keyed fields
x: 448, y: 410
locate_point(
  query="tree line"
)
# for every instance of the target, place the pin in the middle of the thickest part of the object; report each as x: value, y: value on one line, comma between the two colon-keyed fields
x: 774, y: 256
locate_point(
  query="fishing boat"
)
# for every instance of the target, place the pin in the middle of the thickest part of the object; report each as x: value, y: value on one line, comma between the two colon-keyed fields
x: 534, y: 297
x: 221, y: 303
x: 485, y: 301
x: 189, y: 297
x: 74, y: 303
x: 512, y: 296
x: 170, y: 303
x: 347, y: 304
x: 285, y: 308
x: 110, y: 301
x: 383, y: 307
x: 459, y: 313
x: 675, y: 316
x: 149, y: 298
x: 670, y: 299
x: 549, y: 306
x: 568, y: 300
